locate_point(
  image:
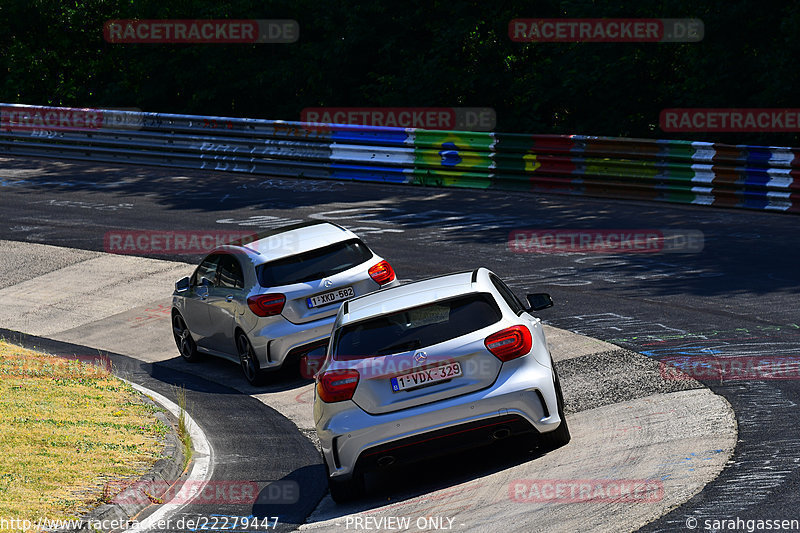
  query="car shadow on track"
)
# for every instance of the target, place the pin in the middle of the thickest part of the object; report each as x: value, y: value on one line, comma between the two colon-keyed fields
x: 175, y: 369
x: 394, y: 486
x: 230, y: 374
x: 289, y: 498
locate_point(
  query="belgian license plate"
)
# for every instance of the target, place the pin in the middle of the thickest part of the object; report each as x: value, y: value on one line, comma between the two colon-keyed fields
x: 330, y: 297
x: 426, y: 377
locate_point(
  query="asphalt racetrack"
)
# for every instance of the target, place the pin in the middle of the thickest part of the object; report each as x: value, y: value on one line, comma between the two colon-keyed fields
x: 736, y: 297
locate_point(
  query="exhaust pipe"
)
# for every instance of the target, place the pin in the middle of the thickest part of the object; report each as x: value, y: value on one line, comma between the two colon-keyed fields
x: 386, y: 460
x: 501, y: 433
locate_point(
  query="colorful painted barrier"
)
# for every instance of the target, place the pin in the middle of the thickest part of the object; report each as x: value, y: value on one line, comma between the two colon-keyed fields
x: 752, y: 177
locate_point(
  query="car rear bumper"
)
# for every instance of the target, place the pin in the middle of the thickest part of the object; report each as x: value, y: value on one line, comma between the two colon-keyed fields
x: 523, y: 399
x: 274, y: 342
x: 443, y: 442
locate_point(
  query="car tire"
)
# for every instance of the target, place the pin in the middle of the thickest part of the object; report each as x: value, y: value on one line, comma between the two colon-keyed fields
x: 560, y: 436
x: 183, y: 339
x: 248, y: 360
x: 343, y: 491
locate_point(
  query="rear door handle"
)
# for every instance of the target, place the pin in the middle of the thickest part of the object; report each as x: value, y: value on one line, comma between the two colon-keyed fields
x: 229, y: 298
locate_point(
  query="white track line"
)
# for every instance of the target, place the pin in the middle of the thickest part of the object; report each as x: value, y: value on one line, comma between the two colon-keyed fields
x: 201, y: 470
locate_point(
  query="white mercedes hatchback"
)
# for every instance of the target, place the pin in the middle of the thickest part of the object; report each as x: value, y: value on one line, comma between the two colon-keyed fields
x: 431, y: 367
x: 266, y: 303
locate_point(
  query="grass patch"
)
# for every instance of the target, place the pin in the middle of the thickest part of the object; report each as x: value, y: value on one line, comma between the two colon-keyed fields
x: 67, y: 429
x: 183, y: 431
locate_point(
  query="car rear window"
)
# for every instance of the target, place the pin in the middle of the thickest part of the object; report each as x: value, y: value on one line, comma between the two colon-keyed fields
x: 416, y: 327
x: 314, y: 264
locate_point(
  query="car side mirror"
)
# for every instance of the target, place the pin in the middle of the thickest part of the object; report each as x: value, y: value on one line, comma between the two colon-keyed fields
x: 539, y: 301
x: 311, y: 362
x: 182, y: 285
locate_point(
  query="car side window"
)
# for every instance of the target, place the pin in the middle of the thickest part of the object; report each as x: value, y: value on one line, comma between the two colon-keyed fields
x: 510, y: 298
x: 230, y: 273
x: 207, y: 269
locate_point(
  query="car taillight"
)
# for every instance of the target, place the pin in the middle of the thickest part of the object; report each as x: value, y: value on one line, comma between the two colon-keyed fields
x: 266, y: 304
x: 382, y: 273
x: 337, y: 385
x: 510, y: 343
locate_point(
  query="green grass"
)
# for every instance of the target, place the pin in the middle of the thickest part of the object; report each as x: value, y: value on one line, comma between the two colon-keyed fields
x: 67, y: 431
x: 183, y: 432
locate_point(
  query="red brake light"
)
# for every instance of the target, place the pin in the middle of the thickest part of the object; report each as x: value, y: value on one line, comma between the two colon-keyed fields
x: 266, y: 304
x: 337, y: 385
x: 510, y: 343
x: 382, y: 273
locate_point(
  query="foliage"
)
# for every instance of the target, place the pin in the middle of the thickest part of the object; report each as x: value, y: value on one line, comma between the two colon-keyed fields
x: 413, y: 53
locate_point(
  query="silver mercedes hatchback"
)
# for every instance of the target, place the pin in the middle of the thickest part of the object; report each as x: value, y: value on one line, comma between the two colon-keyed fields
x: 265, y: 303
x: 431, y: 367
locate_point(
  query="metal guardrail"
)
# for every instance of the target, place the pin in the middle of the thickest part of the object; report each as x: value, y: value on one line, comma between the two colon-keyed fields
x: 754, y: 177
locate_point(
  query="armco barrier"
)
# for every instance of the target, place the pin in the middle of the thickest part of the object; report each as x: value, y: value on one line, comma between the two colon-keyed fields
x: 754, y: 177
